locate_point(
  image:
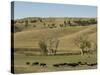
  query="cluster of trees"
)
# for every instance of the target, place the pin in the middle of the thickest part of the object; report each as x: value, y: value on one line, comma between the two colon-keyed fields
x: 75, y: 22
x: 66, y: 22
x: 53, y: 25
x: 86, y: 22
x: 48, y: 47
x: 15, y: 28
x: 82, y: 21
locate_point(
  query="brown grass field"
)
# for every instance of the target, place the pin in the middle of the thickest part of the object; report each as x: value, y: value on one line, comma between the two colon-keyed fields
x: 26, y: 49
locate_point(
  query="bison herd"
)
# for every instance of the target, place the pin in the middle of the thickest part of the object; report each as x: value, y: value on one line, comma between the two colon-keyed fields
x: 36, y: 63
x: 74, y: 64
x: 61, y: 64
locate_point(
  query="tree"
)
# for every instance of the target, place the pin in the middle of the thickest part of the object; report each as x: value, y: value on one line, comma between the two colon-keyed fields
x: 88, y: 45
x: 53, y: 25
x: 56, y: 46
x: 40, y: 19
x: 49, y: 46
x: 93, y: 21
x: 44, y: 25
x: 26, y: 23
x: 69, y: 22
x: 43, y: 47
x: 53, y: 46
x: 82, y: 41
x: 65, y: 23
x: 61, y: 25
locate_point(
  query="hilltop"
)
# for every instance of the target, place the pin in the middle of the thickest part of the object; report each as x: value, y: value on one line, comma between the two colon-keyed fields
x: 50, y: 22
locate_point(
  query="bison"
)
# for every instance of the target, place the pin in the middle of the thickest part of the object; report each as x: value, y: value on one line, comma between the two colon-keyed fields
x: 56, y: 65
x: 35, y: 63
x: 43, y: 64
x: 27, y: 63
x: 73, y: 64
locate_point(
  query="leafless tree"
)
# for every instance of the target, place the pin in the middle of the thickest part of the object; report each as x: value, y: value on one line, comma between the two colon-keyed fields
x: 53, y: 46
x: 82, y: 41
x: 49, y: 46
x: 43, y: 46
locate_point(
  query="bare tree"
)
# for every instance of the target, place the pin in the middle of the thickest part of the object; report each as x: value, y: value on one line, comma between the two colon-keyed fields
x: 65, y: 23
x: 69, y: 22
x: 26, y: 23
x: 82, y: 41
x: 56, y: 46
x: 49, y: 46
x: 43, y: 47
x: 53, y: 46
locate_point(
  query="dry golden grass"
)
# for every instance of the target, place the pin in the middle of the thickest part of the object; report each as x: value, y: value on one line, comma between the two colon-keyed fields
x: 30, y: 38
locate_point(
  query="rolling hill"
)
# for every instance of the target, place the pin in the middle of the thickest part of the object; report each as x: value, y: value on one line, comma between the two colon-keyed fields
x: 30, y: 38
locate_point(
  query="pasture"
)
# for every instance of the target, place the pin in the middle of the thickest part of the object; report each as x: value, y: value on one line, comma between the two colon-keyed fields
x: 20, y: 61
x: 27, y: 50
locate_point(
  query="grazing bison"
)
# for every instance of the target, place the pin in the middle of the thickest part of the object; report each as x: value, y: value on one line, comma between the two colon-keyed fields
x: 80, y: 62
x: 35, y: 63
x: 84, y: 63
x: 92, y: 64
x: 73, y: 64
x: 43, y: 64
x: 56, y: 65
x: 27, y: 63
x: 62, y: 64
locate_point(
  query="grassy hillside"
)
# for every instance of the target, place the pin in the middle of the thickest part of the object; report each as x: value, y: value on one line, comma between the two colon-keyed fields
x: 30, y: 38
x: 27, y: 50
x: 50, y: 22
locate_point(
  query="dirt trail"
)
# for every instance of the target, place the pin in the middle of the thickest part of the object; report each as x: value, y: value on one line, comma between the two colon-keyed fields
x: 77, y: 33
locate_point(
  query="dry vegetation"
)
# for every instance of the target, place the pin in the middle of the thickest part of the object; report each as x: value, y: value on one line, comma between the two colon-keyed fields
x: 62, y: 40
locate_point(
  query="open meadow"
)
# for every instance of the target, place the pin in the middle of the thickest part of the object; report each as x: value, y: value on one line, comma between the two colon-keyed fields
x: 48, y: 44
